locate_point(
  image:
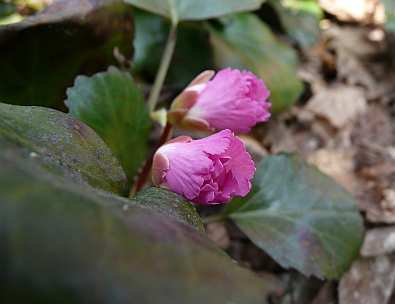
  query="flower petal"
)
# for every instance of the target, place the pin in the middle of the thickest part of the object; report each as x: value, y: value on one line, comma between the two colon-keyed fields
x: 206, y: 171
x: 232, y: 100
x: 241, y: 166
x: 217, y: 143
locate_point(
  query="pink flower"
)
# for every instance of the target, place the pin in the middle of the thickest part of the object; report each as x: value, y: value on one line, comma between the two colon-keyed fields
x: 233, y: 99
x: 207, y: 171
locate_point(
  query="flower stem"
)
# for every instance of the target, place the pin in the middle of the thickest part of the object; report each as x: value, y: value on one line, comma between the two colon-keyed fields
x: 164, y: 67
x: 145, y: 171
x: 152, y: 101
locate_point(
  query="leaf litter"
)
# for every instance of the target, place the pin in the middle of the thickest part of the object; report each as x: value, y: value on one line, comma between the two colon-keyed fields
x: 345, y: 125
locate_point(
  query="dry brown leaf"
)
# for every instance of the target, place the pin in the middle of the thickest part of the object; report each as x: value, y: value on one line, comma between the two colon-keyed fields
x: 369, y: 281
x: 384, y: 210
x: 380, y: 215
x: 356, y: 50
x: 218, y: 234
x: 365, y: 11
x: 373, y: 137
x: 338, y: 164
x: 339, y: 104
x: 279, y: 137
x: 389, y: 198
x: 379, y: 241
x: 378, y: 207
x: 298, y: 137
x: 351, y: 70
x: 355, y: 40
x: 375, y: 127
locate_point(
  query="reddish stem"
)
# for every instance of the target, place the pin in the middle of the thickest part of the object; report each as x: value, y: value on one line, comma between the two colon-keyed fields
x: 145, y: 171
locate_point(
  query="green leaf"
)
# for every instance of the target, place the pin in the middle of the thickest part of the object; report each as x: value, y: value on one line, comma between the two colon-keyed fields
x: 67, y: 147
x: 7, y: 9
x: 301, y: 217
x: 63, y: 243
x: 112, y: 105
x: 389, y: 6
x: 300, y: 19
x: 56, y: 138
x: 179, y: 10
x: 307, y: 6
x: 169, y: 204
x: 41, y: 56
x: 149, y: 44
x: 245, y: 42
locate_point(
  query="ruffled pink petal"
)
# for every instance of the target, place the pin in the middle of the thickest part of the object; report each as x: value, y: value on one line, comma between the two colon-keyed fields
x: 189, y: 161
x: 228, y: 186
x: 257, y: 88
x: 234, y: 100
x: 230, y: 175
x: 241, y: 166
x: 207, y: 194
x: 206, y: 171
x: 215, y: 144
x: 186, y: 170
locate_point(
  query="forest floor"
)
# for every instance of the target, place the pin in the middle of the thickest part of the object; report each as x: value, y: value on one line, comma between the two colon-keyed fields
x: 345, y: 124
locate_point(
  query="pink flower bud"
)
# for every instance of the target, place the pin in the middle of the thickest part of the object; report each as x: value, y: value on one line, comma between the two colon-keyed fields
x: 233, y: 99
x: 207, y: 171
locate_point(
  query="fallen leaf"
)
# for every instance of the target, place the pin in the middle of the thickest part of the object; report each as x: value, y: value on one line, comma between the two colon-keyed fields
x: 339, y: 104
x: 296, y: 138
x: 365, y: 11
x: 338, y: 164
x: 379, y: 241
x: 373, y: 136
x: 369, y: 281
x: 371, y: 200
x: 218, y: 234
x: 355, y: 51
x: 389, y: 198
x: 279, y: 137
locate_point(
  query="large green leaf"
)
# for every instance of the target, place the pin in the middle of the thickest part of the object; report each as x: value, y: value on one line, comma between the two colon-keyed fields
x: 112, y: 105
x: 170, y: 204
x: 41, y: 56
x: 149, y: 44
x: 67, y: 147
x: 301, y: 217
x: 243, y: 41
x: 300, y: 19
x: 63, y: 243
x: 7, y: 9
x: 54, y: 137
x: 179, y: 10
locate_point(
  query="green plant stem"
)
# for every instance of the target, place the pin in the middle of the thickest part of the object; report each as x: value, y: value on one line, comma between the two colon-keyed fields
x: 145, y: 171
x: 152, y: 101
x: 163, y: 68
